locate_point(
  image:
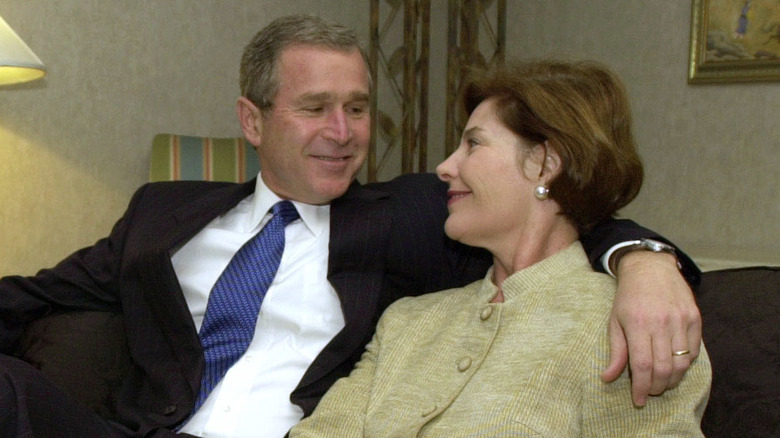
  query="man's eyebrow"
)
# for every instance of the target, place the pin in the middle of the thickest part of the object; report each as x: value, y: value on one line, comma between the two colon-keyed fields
x: 359, y: 96
x: 313, y: 97
x: 356, y: 96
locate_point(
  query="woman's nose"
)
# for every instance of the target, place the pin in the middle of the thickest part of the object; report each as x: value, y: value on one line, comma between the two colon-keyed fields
x: 447, y: 169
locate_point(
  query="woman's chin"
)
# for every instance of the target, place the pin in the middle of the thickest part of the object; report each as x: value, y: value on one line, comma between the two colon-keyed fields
x: 456, y: 231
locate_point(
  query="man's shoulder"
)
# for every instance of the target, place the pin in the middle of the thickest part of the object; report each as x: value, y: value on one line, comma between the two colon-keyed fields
x: 168, y: 195
x: 180, y: 190
x: 409, y: 182
x: 176, y: 187
x: 415, y: 191
x: 408, y: 190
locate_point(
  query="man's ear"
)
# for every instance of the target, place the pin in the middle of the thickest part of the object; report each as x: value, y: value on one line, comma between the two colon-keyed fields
x: 249, y: 116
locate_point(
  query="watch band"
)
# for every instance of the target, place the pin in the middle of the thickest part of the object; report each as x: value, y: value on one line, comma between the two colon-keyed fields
x: 640, y: 245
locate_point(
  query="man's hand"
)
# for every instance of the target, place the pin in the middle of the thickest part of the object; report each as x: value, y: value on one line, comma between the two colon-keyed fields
x: 654, y: 315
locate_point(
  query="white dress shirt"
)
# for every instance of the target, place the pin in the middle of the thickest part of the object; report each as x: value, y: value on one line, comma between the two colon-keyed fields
x: 300, y: 314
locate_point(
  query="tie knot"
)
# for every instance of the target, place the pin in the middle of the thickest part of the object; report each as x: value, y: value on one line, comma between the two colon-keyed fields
x: 286, y: 210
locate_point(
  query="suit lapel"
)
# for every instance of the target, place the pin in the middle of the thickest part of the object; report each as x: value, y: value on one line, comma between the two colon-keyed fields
x: 159, y: 283
x: 359, y: 229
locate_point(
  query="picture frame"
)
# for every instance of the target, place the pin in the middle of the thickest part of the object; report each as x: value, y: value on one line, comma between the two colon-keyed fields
x: 734, y: 41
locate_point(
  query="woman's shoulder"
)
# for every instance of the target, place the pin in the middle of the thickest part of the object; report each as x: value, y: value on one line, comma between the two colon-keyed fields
x: 415, y: 307
x: 589, y: 285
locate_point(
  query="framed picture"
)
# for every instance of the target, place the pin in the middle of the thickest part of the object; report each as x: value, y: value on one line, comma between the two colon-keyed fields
x: 734, y: 41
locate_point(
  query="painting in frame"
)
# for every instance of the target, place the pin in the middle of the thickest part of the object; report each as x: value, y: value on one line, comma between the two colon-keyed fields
x: 734, y: 41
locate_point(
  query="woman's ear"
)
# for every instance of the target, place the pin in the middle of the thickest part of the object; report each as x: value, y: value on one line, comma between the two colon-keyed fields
x: 545, y: 162
x: 552, y: 165
x: 250, y: 118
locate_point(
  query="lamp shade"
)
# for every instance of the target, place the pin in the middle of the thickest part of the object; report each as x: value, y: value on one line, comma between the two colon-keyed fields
x: 17, y: 62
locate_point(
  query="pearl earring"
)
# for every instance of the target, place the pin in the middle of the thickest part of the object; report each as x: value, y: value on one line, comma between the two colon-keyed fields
x: 541, y: 192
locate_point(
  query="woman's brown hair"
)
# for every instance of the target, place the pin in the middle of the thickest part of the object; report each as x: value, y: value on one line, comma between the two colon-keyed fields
x: 582, y: 111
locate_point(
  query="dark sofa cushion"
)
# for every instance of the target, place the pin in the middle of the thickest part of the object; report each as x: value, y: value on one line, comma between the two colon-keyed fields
x: 741, y: 329
x: 83, y: 353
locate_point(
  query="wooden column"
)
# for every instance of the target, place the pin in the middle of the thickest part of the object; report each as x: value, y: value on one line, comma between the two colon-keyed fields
x: 400, y: 117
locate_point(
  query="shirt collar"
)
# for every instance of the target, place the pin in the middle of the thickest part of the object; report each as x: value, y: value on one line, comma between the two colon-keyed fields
x: 315, y: 217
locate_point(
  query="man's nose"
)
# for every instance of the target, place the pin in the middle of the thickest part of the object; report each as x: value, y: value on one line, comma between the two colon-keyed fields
x: 338, y: 127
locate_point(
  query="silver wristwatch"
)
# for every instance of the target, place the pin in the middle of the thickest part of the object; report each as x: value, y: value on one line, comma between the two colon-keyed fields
x: 640, y: 245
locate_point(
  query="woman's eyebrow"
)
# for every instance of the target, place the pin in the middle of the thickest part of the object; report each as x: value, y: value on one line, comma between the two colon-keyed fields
x: 472, y: 130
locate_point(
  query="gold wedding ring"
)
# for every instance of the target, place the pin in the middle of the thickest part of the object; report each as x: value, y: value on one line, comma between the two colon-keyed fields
x: 681, y: 352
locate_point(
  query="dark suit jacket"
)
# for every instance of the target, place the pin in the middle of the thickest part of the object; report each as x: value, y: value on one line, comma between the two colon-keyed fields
x: 387, y: 241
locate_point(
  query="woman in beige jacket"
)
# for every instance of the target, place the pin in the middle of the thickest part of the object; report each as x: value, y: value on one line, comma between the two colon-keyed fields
x: 547, y: 153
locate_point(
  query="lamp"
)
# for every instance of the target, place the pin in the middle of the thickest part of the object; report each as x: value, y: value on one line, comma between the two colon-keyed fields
x: 17, y: 62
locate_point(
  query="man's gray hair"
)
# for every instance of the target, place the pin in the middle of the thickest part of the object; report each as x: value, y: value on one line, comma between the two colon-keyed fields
x: 259, y: 64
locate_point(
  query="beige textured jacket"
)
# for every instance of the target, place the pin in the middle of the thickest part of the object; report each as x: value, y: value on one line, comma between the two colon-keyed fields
x: 451, y: 364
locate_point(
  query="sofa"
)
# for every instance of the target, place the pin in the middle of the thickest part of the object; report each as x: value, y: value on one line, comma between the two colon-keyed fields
x: 85, y: 353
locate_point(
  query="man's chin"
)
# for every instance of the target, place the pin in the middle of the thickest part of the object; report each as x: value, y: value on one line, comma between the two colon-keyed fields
x: 328, y: 191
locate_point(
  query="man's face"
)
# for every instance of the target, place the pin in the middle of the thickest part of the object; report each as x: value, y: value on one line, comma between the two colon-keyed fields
x: 314, y: 139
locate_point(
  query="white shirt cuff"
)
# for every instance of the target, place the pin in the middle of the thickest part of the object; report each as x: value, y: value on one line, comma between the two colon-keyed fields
x: 608, y: 254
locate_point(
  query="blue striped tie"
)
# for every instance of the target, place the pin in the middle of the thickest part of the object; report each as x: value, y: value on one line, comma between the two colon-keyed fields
x: 234, y: 302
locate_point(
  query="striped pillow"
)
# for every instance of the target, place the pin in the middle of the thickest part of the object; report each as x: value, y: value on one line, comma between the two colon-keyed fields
x: 181, y: 157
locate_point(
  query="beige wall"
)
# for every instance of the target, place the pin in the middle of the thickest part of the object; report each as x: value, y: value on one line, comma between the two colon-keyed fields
x: 74, y: 146
x: 711, y: 152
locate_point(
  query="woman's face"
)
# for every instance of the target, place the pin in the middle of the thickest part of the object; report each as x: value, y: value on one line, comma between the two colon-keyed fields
x: 489, y: 195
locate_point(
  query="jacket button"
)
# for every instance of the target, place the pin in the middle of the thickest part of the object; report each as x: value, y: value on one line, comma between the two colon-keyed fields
x: 169, y: 410
x: 430, y: 411
x: 464, y: 364
x: 486, y: 313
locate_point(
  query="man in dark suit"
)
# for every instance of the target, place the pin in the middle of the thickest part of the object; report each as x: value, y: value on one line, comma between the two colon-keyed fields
x: 355, y: 249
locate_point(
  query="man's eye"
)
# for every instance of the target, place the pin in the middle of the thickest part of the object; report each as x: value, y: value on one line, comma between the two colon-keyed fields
x: 357, y: 110
x: 314, y: 109
x: 472, y: 143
